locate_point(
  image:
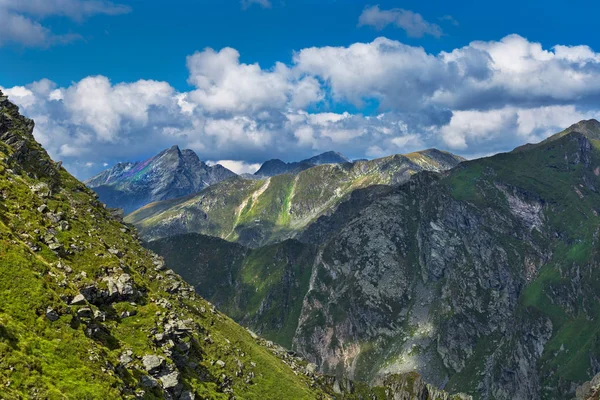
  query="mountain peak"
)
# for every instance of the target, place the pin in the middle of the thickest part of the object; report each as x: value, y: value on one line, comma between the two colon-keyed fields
x: 328, y: 157
x: 590, y: 128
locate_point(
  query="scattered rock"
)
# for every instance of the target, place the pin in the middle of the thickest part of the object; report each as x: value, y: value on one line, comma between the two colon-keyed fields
x: 78, y: 300
x: 220, y: 363
x: 187, y: 395
x: 51, y: 314
x: 85, y: 312
x: 126, y: 357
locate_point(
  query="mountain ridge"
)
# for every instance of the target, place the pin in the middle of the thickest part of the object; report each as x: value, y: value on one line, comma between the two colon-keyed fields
x: 276, y: 166
x: 256, y: 212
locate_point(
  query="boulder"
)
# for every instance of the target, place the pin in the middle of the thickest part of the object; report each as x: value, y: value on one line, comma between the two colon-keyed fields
x: 152, y: 362
x: 170, y: 380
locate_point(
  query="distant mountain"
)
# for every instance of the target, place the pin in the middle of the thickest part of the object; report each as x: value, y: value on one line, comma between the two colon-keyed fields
x: 170, y: 174
x: 485, y: 278
x: 277, y: 167
x: 256, y: 212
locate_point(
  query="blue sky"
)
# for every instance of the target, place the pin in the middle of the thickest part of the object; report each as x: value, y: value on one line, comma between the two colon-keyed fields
x: 112, y: 81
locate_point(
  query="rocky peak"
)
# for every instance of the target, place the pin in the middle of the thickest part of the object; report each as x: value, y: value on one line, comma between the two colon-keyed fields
x: 170, y: 174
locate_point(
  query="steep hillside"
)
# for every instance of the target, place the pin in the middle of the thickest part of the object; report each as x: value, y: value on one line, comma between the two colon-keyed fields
x: 262, y: 288
x: 87, y: 313
x: 277, y: 167
x: 257, y: 212
x: 170, y: 174
x: 484, y: 278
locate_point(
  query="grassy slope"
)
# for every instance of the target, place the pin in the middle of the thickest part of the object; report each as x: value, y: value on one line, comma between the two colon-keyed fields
x: 45, y: 359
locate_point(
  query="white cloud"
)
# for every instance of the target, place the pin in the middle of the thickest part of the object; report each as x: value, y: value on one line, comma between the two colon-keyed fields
x: 478, y: 99
x: 20, y: 20
x: 413, y: 23
x: 225, y: 85
x: 505, y: 128
x: 239, y: 167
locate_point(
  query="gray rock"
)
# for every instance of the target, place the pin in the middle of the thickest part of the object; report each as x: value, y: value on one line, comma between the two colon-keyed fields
x: 126, y: 357
x: 43, y: 208
x: 85, y: 312
x: 124, y: 285
x: 51, y: 314
x: 115, y: 252
x: 148, y: 381
x: 187, y: 395
x: 220, y: 363
x: 152, y: 362
x: 170, y: 380
x: 78, y: 300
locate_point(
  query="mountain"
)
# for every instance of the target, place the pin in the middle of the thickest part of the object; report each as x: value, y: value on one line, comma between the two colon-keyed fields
x: 170, y: 174
x: 277, y: 167
x: 257, y: 212
x: 87, y: 313
x: 484, y: 278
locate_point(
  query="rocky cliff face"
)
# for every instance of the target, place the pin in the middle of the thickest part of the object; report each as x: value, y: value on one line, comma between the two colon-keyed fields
x: 483, y: 278
x: 258, y: 212
x: 170, y: 174
x: 87, y: 312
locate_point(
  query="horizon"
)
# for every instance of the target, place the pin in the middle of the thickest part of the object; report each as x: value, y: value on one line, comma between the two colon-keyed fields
x: 252, y: 168
x: 242, y: 82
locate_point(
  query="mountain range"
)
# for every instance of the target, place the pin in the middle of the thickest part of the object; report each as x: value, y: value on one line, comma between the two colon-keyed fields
x: 483, y: 278
x: 255, y: 212
x: 87, y: 313
x: 276, y: 167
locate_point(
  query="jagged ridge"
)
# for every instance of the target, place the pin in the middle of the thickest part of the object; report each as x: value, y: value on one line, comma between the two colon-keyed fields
x: 256, y: 212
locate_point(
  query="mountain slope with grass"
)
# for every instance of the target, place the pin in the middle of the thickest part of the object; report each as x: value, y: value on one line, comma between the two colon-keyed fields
x: 87, y: 313
x: 484, y: 278
x: 258, y: 212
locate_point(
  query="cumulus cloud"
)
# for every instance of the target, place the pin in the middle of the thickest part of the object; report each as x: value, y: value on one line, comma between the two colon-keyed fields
x: 20, y: 20
x: 479, y: 99
x: 225, y: 85
x: 412, y: 23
